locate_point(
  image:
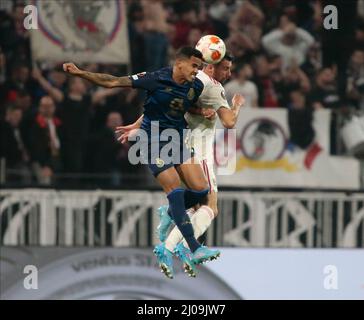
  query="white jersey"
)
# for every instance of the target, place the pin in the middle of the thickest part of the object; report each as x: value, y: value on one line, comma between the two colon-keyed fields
x: 203, y: 130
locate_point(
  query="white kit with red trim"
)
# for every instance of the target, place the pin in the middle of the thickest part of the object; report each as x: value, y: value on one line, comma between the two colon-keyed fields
x: 203, y: 130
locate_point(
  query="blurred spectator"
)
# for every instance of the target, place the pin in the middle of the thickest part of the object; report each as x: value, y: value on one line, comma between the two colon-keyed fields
x: 305, y: 15
x: 220, y: 12
x: 136, y: 37
x: 241, y: 84
x: 300, y: 119
x: 337, y: 44
x: 45, y: 138
x: 16, y: 46
x: 19, y: 80
x: 325, y: 95
x: 106, y: 154
x: 19, y: 16
x: 355, y: 79
x: 194, y: 35
x: 187, y: 20
x: 204, y: 22
x: 75, y: 111
x: 297, y: 100
x: 267, y: 94
x: 247, y: 22
x: 58, y: 78
x: 291, y: 43
x: 127, y: 102
x: 156, y: 29
x: 54, y: 86
x: 292, y: 79
x: 24, y: 101
x: 223, y: 10
x: 12, y: 147
x: 313, y: 61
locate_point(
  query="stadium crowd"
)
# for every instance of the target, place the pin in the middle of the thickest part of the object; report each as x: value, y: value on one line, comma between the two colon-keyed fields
x: 57, y: 130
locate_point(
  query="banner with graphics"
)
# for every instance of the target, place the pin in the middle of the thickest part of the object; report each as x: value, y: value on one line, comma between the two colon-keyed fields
x: 266, y: 158
x: 81, y: 31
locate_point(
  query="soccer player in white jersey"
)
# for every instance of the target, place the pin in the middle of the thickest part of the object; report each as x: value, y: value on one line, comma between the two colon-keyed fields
x: 202, y: 122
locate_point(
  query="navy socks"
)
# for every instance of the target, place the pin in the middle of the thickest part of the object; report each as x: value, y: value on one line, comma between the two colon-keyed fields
x: 177, y: 210
x: 192, y: 198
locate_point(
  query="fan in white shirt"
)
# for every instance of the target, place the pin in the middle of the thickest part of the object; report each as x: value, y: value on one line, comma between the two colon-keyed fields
x: 242, y: 85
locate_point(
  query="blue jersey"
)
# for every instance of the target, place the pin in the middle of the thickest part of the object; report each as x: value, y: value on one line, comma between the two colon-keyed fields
x: 166, y: 101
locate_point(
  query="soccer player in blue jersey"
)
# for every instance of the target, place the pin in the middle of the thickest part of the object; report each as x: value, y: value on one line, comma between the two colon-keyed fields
x: 171, y: 92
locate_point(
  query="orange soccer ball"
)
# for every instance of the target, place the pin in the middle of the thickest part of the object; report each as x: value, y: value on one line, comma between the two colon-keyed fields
x: 212, y: 47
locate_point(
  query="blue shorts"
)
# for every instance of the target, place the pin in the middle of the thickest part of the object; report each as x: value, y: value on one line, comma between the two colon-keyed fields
x: 162, y: 155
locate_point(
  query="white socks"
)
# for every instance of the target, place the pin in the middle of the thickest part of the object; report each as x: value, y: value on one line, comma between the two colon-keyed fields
x: 200, y: 220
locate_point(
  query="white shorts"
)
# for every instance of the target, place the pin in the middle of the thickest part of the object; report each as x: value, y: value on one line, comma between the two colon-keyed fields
x: 204, y: 154
x: 208, y: 169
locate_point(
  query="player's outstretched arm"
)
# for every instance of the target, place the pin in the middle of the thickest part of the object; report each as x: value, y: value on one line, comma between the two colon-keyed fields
x: 101, y: 79
x: 229, y: 117
x: 128, y: 131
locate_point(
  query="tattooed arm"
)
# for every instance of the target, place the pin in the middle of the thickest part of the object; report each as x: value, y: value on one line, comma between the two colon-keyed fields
x: 101, y: 79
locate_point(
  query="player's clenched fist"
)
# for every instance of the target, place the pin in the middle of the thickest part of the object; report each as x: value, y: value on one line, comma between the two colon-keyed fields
x: 71, y: 68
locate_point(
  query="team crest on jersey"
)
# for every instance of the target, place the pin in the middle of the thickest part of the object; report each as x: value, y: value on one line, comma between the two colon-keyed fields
x: 159, y: 162
x: 191, y: 94
x: 138, y: 75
